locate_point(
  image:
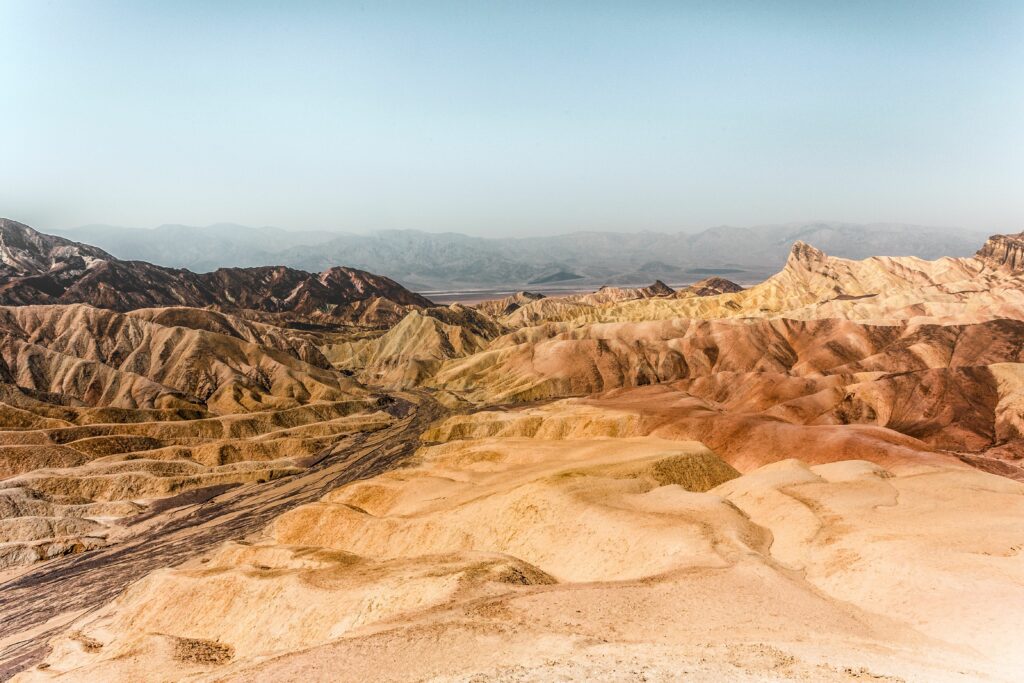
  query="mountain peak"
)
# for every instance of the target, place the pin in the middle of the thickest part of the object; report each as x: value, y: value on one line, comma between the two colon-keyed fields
x: 659, y: 288
x: 804, y: 254
x: 1004, y: 251
x: 26, y: 252
x: 712, y: 286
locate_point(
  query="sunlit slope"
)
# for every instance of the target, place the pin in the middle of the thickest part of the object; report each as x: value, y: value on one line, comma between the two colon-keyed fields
x: 102, y: 412
x: 565, y: 547
x: 814, y: 285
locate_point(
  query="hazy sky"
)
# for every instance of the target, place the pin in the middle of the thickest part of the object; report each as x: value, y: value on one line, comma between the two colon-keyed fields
x: 512, y: 118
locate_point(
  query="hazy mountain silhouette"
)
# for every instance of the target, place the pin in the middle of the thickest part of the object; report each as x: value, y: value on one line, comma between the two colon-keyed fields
x: 423, y: 260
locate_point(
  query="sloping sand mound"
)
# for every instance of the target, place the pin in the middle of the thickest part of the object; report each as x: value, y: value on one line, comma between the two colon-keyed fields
x: 411, y: 351
x: 591, y: 557
x: 506, y: 305
x: 610, y: 294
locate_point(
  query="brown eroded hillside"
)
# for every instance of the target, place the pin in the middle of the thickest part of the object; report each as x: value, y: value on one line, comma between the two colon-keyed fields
x: 814, y: 478
x: 102, y: 411
x: 42, y: 269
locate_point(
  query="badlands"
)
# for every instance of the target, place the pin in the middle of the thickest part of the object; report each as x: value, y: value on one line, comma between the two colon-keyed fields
x: 815, y: 478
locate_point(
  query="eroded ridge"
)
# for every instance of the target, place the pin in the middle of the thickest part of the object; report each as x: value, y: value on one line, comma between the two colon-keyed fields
x: 812, y: 478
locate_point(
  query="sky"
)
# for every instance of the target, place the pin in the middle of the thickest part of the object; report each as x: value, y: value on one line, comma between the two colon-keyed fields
x: 512, y: 119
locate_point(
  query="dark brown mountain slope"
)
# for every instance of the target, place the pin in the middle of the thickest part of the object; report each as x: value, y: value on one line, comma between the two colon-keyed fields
x: 41, y: 269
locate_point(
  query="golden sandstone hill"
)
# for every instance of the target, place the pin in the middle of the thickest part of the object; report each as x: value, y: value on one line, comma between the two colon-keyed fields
x: 815, y: 478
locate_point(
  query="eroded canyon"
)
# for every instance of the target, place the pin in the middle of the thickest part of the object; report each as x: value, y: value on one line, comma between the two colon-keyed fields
x: 817, y: 477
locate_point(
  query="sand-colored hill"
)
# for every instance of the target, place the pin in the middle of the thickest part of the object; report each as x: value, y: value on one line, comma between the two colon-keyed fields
x: 411, y: 352
x: 578, y: 555
x: 709, y: 286
x: 609, y: 294
x: 376, y: 312
x: 506, y: 305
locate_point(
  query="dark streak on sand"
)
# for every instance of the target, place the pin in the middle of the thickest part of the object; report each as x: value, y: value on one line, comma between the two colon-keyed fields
x: 195, y: 523
x: 193, y: 497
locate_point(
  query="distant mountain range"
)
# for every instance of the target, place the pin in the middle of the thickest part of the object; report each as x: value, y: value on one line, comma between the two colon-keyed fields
x: 437, y: 261
x: 44, y: 269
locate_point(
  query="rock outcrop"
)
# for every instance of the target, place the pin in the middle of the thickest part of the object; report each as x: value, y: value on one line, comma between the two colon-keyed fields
x: 1004, y: 252
x: 710, y: 286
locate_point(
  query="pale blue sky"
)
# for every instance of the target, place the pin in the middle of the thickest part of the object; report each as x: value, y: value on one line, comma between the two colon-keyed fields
x: 512, y: 118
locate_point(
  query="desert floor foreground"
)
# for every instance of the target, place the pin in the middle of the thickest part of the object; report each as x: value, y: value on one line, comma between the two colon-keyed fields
x: 582, y: 556
x: 816, y: 478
